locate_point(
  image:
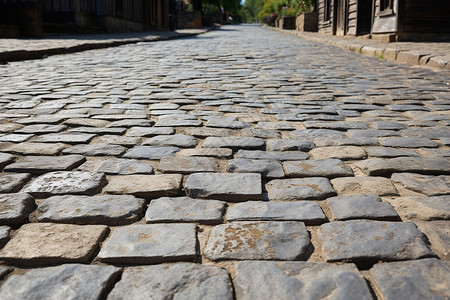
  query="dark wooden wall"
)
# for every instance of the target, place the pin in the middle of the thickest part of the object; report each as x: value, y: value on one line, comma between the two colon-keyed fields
x: 151, y: 14
x: 352, y: 17
x: 325, y: 26
x: 425, y: 16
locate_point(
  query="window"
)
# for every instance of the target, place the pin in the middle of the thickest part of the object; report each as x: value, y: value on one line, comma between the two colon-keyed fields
x: 386, y: 7
x: 327, y: 11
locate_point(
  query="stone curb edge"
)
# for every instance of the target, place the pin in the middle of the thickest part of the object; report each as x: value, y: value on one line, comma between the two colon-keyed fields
x: 21, y: 55
x: 382, y: 52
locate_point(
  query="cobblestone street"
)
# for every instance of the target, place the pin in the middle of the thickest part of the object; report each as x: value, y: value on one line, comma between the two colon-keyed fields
x: 243, y: 163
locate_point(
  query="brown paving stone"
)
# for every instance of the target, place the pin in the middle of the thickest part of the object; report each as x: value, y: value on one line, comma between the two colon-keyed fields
x: 46, y: 243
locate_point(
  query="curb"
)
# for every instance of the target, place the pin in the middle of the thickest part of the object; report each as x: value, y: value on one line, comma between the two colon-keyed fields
x: 20, y: 55
x: 378, y: 50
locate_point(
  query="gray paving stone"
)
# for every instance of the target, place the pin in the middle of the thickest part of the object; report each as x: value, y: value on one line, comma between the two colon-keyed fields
x: 185, y: 209
x: 329, y: 168
x: 338, y: 125
x: 343, y: 141
x: 153, y: 243
x: 4, y: 235
x: 5, y: 159
x: 44, y: 164
x: 438, y: 233
x: 9, y: 127
x: 66, y: 182
x: 46, y: 243
x: 275, y: 125
x: 163, y: 105
x: 338, y: 152
x: 234, y: 142
x: 117, y: 140
x: 221, y: 186
x: 383, y: 125
x: 364, y: 206
x: 422, y: 208
x: 151, y: 152
x: 11, y: 183
x: 106, y: 209
x: 128, y: 123
x: 261, y: 133
x: 117, y: 166
x: 272, y: 155
x: 101, y: 149
x: 400, y: 107
x: 421, y: 279
x: 149, y: 131
x: 308, y: 212
x: 36, y: 148
x: 226, y: 122
x: 118, y: 117
x: 15, y: 138
x: 364, y: 185
x: 371, y: 133
x: 99, y: 130
x: 4, y: 270
x: 208, y: 152
x: 177, y: 121
x: 390, y: 152
x: 64, y: 137
x: 298, y: 280
x: 177, y: 140
x: 206, y: 132
x: 300, y: 189
x: 145, y: 186
x: 86, y: 122
x: 15, y: 208
x: 412, y: 142
x: 366, y: 242
x: 433, y: 133
x: 40, y: 128
x: 289, y: 145
x: 267, y: 168
x: 425, y: 184
x: 188, y: 164
x: 383, y: 167
x: 70, y: 281
x: 177, y: 281
x: 309, y: 134
x: 285, y: 240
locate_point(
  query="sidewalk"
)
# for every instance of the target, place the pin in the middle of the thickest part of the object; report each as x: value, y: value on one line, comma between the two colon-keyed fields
x: 432, y: 55
x: 24, y: 49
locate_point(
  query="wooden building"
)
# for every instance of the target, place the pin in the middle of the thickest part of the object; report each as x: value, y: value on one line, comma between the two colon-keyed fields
x: 106, y: 15
x: 401, y: 20
x: 390, y: 20
x: 112, y: 15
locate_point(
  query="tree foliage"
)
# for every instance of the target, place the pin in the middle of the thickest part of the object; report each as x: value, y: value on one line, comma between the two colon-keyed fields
x: 284, y: 8
x: 252, y: 8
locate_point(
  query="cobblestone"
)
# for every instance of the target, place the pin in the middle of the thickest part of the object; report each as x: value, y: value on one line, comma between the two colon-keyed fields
x: 47, y: 243
x: 185, y: 209
x: 393, y: 280
x: 143, y: 244
x: 295, y: 279
x: 286, y: 240
x: 15, y: 208
x: 348, y: 125
x: 185, y: 281
x: 107, y: 210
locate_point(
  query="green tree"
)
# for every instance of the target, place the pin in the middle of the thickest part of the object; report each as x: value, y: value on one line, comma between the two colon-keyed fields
x: 252, y: 8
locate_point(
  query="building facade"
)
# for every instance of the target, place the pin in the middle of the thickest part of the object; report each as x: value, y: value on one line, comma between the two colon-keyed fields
x: 393, y: 20
x: 105, y: 15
